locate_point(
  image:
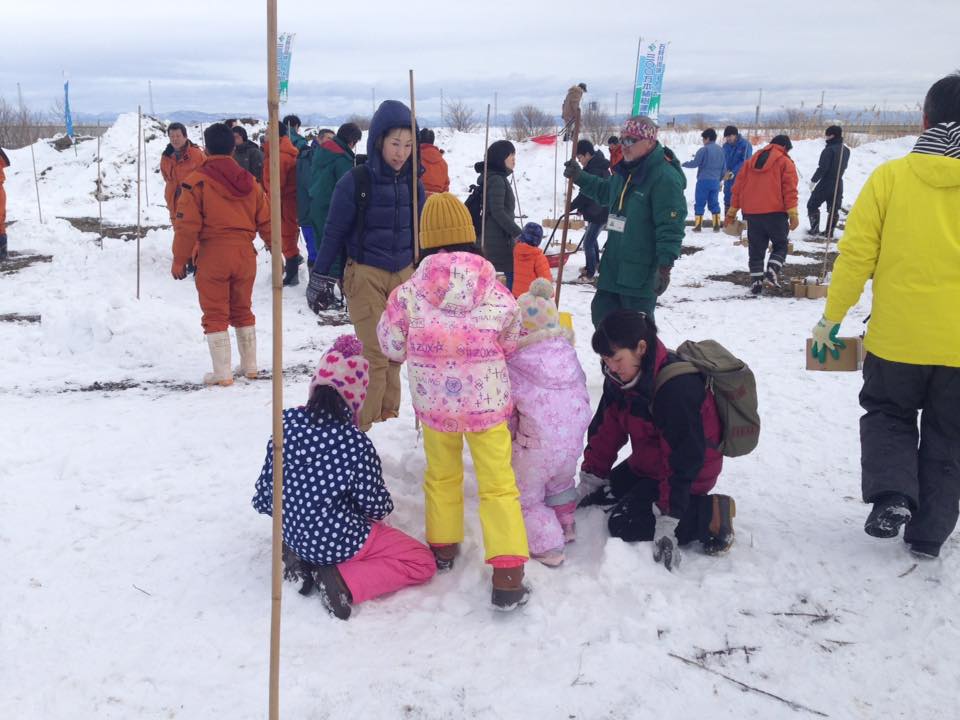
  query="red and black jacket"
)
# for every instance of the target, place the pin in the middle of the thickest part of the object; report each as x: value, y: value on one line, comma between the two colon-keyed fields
x: 674, y: 445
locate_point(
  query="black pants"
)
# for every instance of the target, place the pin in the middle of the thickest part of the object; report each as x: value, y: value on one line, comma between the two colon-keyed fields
x: 763, y: 230
x: 823, y: 193
x: 632, y: 518
x: 896, y: 458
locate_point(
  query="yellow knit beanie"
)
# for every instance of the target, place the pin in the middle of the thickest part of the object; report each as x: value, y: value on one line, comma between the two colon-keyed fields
x: 445, y: 221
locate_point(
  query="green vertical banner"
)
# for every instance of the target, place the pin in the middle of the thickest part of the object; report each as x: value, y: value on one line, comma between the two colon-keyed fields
x: 284, y: 51
x: 649, y: 81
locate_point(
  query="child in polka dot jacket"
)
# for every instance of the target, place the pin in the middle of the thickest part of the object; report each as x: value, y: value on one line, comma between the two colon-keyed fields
x: 552, y: 412
x: 453, y: 324
x: 334, y: 495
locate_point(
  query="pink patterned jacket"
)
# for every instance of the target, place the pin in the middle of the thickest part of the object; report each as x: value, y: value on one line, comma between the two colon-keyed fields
x: 453, y: 324
x: 550, y: 393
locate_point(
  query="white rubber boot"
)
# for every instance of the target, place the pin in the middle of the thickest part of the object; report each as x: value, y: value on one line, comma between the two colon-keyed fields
x: 247, y: 345
x: 219, y: 344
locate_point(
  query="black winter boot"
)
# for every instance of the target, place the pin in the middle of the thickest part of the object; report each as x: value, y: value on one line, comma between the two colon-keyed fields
x: 3, y: 248
x: 445, y: 555
x: 889, y: 514
x: 814, y: 222
x: 291, y: 271
x: 334, y: 592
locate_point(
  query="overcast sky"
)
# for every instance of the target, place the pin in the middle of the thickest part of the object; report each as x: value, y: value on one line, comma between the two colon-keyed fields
x: 210, y: 56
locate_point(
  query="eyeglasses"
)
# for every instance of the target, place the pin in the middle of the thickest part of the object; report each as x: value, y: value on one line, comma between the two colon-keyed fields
x: 628, y: 141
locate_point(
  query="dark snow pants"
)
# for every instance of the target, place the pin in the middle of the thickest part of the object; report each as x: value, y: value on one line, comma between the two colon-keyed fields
x: 632, y: 518
x: 762, y: 230
x: 896, y: 458
x: 823, y: 193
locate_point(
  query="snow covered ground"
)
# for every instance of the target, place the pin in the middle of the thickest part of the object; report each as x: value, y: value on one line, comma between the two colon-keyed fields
x: 134, y: 578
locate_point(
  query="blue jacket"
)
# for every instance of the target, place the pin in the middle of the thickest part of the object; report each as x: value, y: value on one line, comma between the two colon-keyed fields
x: 736, y: 154
x: 326, y: 513
x: 387, y: 241
x: 710, y: 162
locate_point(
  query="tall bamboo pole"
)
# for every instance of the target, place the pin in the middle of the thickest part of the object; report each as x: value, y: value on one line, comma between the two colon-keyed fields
x: 833, y: 213
x: 415, y: 172
x: 36, y: 181
x: 139, y: 139
x: 556, y: 168
x: 483, y: 204
x: 276, y: 256
x: 99, y: 187
x: 566, y: 211
x: 146, y: 186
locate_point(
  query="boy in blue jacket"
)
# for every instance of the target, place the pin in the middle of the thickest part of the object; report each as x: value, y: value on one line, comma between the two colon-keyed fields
x: 710, y: 165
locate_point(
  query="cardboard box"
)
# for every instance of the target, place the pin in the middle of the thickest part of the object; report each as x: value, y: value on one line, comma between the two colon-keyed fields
x: 851, y: 357
x: 734, y: 228
x: 572, y: 224
x: 815, y: 292
x: 799, y: 289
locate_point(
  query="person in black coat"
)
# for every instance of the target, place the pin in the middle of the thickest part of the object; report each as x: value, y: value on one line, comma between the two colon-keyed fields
x: 247, y: 154
x: 502, y: 231
x: 833, y: 159
x: 594, y: 162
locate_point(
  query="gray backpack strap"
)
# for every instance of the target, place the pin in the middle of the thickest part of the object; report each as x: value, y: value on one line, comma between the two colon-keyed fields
x: 674, y: 369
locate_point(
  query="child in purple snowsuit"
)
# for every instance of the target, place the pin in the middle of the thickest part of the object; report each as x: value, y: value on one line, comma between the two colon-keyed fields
x: 552, y: 412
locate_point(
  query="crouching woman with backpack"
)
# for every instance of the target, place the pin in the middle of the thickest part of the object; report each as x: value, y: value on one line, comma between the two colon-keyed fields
x: 661, y: 492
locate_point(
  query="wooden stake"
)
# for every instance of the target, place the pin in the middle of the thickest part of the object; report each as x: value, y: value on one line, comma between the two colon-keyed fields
x: 566, y: 211
x: 276, y: 256
x: 516, y: 194
x: 483, y: 204
x: 146, y: 187
x: 36, y: 182
x: 415, y: 172
x: 833, y: 214
x: 556, y: 171
x: 139, y: 138
x: 99, y: 187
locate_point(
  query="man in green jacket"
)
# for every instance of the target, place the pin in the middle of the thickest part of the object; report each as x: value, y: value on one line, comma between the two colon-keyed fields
x: 330, y: 162
x: 646, y: 223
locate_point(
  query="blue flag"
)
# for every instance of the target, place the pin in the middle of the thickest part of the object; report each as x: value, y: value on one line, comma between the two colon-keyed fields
x: 67, y: 119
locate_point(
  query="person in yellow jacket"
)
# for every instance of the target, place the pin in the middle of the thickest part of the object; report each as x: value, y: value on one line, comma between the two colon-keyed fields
x: 904, y: 232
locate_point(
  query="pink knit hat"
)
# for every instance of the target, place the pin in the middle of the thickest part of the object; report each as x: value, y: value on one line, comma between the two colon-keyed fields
x: 640, y: 127
x: 346, y: 370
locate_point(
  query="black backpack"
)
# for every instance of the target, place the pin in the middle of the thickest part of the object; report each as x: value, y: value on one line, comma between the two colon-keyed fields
x: 474, y: 203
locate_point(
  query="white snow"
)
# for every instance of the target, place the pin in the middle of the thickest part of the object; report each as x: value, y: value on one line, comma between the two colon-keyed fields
x: 134, y: 578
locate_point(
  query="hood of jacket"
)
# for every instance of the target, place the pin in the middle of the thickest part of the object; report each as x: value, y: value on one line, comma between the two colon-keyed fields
x: 936, y: 156
x: 547, y: 363
x: 286, y: 148
x: 457, y: 281
x: 598, y: 164
x: 330, y: 151
x: 768, y: 158
x: 430, y: 154
x: 391, y: 114
x: 231, y: 180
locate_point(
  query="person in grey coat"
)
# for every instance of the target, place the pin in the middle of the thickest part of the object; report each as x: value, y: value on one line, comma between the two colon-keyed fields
x: 247, y: 154
x: 711, y: 166
x: 500, y: 230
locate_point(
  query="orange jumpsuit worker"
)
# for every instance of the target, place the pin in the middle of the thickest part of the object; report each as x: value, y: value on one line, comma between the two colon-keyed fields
x: 221, y: 207
x: 4, y: 163
x: 289, y: 227
x: 180, y: 159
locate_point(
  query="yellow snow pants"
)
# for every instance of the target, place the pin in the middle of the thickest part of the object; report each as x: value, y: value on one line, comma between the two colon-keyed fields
x: 500, y: 516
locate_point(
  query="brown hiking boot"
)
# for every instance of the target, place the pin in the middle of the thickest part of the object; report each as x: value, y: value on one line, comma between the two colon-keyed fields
x: 334, y: 593
x: 720, y: 529
x: 445, y: 554
x: 509, y: 592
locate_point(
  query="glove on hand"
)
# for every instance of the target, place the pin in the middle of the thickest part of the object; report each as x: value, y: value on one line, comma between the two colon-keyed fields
x: 824, y: 339
x: 794, y: 218
x: 322, y: 293
x: 665, y: 547
x: 663, y: 279
x: 572, y: 170
x: 588, y: 483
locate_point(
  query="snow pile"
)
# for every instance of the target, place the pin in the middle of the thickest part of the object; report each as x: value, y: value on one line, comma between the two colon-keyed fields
x: 127, y: 513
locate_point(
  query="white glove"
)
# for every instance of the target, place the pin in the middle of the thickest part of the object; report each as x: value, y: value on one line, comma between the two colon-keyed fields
x: 811, y: 184
x: 588, y: 483
x: 665, y: 547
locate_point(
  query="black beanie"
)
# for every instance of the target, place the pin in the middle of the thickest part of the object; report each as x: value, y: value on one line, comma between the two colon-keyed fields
x: 585, y: 147
x: 730, y: 130
x: 498, y: 152
x: 783, y: 141
x: 238, y: 130
x: 834, y: 130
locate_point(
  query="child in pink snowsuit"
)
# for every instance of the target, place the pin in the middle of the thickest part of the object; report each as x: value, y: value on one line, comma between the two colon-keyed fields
x: 334, y: 498
x: 552, y: 412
